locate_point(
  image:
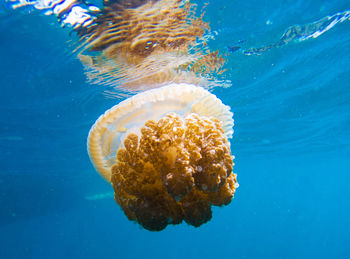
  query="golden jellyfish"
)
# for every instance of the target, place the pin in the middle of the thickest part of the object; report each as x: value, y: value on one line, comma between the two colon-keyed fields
x: 167, y: 155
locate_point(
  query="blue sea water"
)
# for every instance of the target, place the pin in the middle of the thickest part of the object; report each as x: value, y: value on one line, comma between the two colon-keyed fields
x: 291, y: 107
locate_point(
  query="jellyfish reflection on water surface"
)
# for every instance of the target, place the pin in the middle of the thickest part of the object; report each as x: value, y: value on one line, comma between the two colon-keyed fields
x: 151, y: 45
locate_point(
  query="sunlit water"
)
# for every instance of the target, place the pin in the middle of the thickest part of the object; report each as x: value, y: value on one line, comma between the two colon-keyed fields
x: 291, y: 142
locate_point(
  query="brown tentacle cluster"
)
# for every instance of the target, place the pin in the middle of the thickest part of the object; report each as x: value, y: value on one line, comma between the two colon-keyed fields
x: 175, y: 171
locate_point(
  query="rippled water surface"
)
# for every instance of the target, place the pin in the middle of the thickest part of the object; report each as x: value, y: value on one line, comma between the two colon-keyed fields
x: 291, y: 104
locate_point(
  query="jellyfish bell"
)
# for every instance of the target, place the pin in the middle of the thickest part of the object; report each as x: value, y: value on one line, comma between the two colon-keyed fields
x: 167, y: 155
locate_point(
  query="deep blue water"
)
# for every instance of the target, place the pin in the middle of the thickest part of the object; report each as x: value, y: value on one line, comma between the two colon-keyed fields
x: 291, y: 142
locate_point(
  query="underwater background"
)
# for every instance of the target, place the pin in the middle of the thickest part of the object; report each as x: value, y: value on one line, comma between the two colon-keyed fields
x: 291, y: 103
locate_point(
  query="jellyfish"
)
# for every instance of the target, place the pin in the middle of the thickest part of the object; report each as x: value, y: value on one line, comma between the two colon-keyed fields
x: 166, y: 153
